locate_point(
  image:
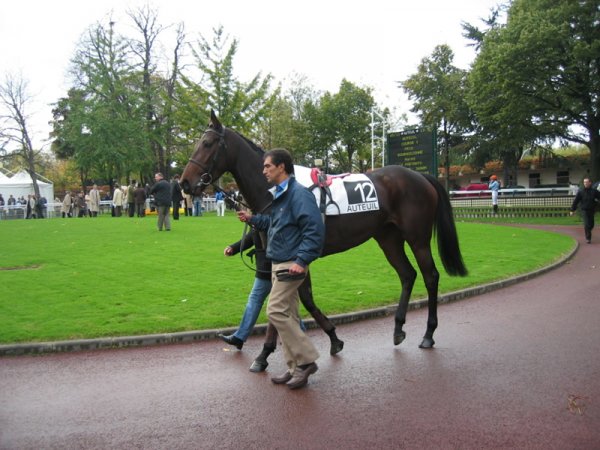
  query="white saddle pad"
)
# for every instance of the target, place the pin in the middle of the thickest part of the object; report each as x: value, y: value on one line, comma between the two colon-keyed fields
x: 352, y: 193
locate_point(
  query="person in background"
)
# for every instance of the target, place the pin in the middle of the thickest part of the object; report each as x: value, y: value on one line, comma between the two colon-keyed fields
x: 588, y: 197
x: 11, y: 202
x: 94, y: 204
x: 31, y: 202
x: 118, y: 200
x: 81, y: 205
x: 176, y: 196
x: 87, y: 204
x: 66, y: 205
x: 198, y: 200
x: 40, y: 207
x: 220, y: 200
x: 189, y: 204
x: 131, y: 199
x: 494, y: 186
x: 162, y: 199
x: 139, y: 197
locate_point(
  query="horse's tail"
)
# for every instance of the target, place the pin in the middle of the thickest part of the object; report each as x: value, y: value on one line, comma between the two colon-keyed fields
x: 445, y: 229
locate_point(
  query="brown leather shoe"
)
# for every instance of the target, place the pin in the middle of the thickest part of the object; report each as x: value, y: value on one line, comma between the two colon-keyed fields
x: 300, y: 377
x: 283, y: 378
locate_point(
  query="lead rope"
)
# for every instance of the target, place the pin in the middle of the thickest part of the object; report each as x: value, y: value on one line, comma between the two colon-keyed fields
x: 236, y: 204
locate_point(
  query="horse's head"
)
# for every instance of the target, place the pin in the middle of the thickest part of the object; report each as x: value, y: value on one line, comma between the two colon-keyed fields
x: 223, y: 150
x: 207, y: 162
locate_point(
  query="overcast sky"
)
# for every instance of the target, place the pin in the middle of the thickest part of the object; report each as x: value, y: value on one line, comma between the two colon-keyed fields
x: 371, y: 43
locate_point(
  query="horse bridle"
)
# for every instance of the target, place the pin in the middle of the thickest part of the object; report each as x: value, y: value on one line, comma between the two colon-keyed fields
x: 206, y: 180
x: 206, y: 177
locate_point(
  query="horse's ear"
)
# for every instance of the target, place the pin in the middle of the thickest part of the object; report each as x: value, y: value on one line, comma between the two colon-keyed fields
x: 215, y: 121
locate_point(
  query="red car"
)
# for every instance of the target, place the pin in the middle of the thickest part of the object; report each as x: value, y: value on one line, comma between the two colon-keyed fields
x: 473, y: 190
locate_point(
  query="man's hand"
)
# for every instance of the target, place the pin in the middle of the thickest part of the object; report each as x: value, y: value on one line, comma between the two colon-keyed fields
x: 244, y: 216
x: 228, y: 251
x: 296, y: 268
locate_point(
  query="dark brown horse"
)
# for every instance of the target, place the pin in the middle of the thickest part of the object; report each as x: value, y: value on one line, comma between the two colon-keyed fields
x: 411, y: 205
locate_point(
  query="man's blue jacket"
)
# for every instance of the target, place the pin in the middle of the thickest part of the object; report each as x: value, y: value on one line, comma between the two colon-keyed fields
x: 295, y: 228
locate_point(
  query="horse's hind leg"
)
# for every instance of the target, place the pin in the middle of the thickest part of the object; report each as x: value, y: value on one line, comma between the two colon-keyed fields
x: 392, y: 245
x: 306, y: 297
x: 261, y: 363
x: 431, y: 277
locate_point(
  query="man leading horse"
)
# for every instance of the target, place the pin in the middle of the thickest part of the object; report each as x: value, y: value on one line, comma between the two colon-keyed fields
x: 295, y: 237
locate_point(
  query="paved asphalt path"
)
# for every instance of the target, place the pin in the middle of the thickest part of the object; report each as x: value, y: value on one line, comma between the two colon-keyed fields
x: 515, y: 368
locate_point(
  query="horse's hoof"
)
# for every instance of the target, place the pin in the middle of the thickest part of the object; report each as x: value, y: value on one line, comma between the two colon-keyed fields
x: 427, y: 343
x: 399, y: 338
x: 258, y: 366
x: 336, y: 347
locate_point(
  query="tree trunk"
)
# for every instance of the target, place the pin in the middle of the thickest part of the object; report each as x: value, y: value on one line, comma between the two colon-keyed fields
x: 594, y: 146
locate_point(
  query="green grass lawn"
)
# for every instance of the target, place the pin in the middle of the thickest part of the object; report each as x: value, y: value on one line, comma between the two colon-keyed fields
x: 84, y: 278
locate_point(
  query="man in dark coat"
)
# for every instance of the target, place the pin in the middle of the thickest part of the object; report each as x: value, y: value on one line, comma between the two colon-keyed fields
x: 162, y: 198
x: 177, y: 196
x: 588, y: 197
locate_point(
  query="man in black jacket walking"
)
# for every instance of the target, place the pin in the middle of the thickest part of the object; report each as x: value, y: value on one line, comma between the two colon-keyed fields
x: 162, y: 199
x: 177, y: 196
x: 588, y: 197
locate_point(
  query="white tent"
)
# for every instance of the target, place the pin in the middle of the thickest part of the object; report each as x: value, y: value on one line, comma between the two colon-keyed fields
x: 21, y: 185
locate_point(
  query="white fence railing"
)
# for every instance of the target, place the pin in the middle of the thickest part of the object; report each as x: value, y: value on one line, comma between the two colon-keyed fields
x: 517, y: 192
x: 53, y: 209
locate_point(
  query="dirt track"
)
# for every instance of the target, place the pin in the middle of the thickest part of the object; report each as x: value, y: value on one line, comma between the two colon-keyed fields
x: 515, y: 368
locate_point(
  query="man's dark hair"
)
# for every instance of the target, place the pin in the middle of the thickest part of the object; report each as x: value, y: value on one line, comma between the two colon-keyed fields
x: 281, y: 156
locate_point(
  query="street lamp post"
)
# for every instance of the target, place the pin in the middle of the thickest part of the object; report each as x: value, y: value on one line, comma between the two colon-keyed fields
x: 373, y: 123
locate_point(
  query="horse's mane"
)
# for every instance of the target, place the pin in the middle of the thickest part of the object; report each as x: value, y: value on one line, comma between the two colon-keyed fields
x: 254, y: 147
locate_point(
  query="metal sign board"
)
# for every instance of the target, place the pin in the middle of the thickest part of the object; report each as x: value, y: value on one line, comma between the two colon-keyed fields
x: 414, y: 149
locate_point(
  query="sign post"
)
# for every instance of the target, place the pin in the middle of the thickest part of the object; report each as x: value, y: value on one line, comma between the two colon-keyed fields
x: 373, y: 123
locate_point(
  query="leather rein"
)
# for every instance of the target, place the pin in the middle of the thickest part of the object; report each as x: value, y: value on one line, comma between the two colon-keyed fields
x: 207, y: 180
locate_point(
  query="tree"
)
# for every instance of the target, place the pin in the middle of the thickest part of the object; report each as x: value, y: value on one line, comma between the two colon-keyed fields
x: 438, y: 90
x: 538, y: 76
x: 339, y: 126
x: 352, y: 112
x: 287, y: 126
x: 71, y: 139
x: 104, y: 123
x: 171, y: 130
x: 240, y: 105
x: 15, y: 138
x: 475, y: 34
x: 158, y: 120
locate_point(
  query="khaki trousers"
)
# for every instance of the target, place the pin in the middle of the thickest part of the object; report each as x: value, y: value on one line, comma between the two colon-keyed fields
x: 282, y: 311
x: 163, y: 217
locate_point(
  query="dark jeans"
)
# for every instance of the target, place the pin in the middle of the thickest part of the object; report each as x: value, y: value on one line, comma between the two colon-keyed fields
x: 176, y: 206
x: 130, y: 209
x: 588, y: 222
